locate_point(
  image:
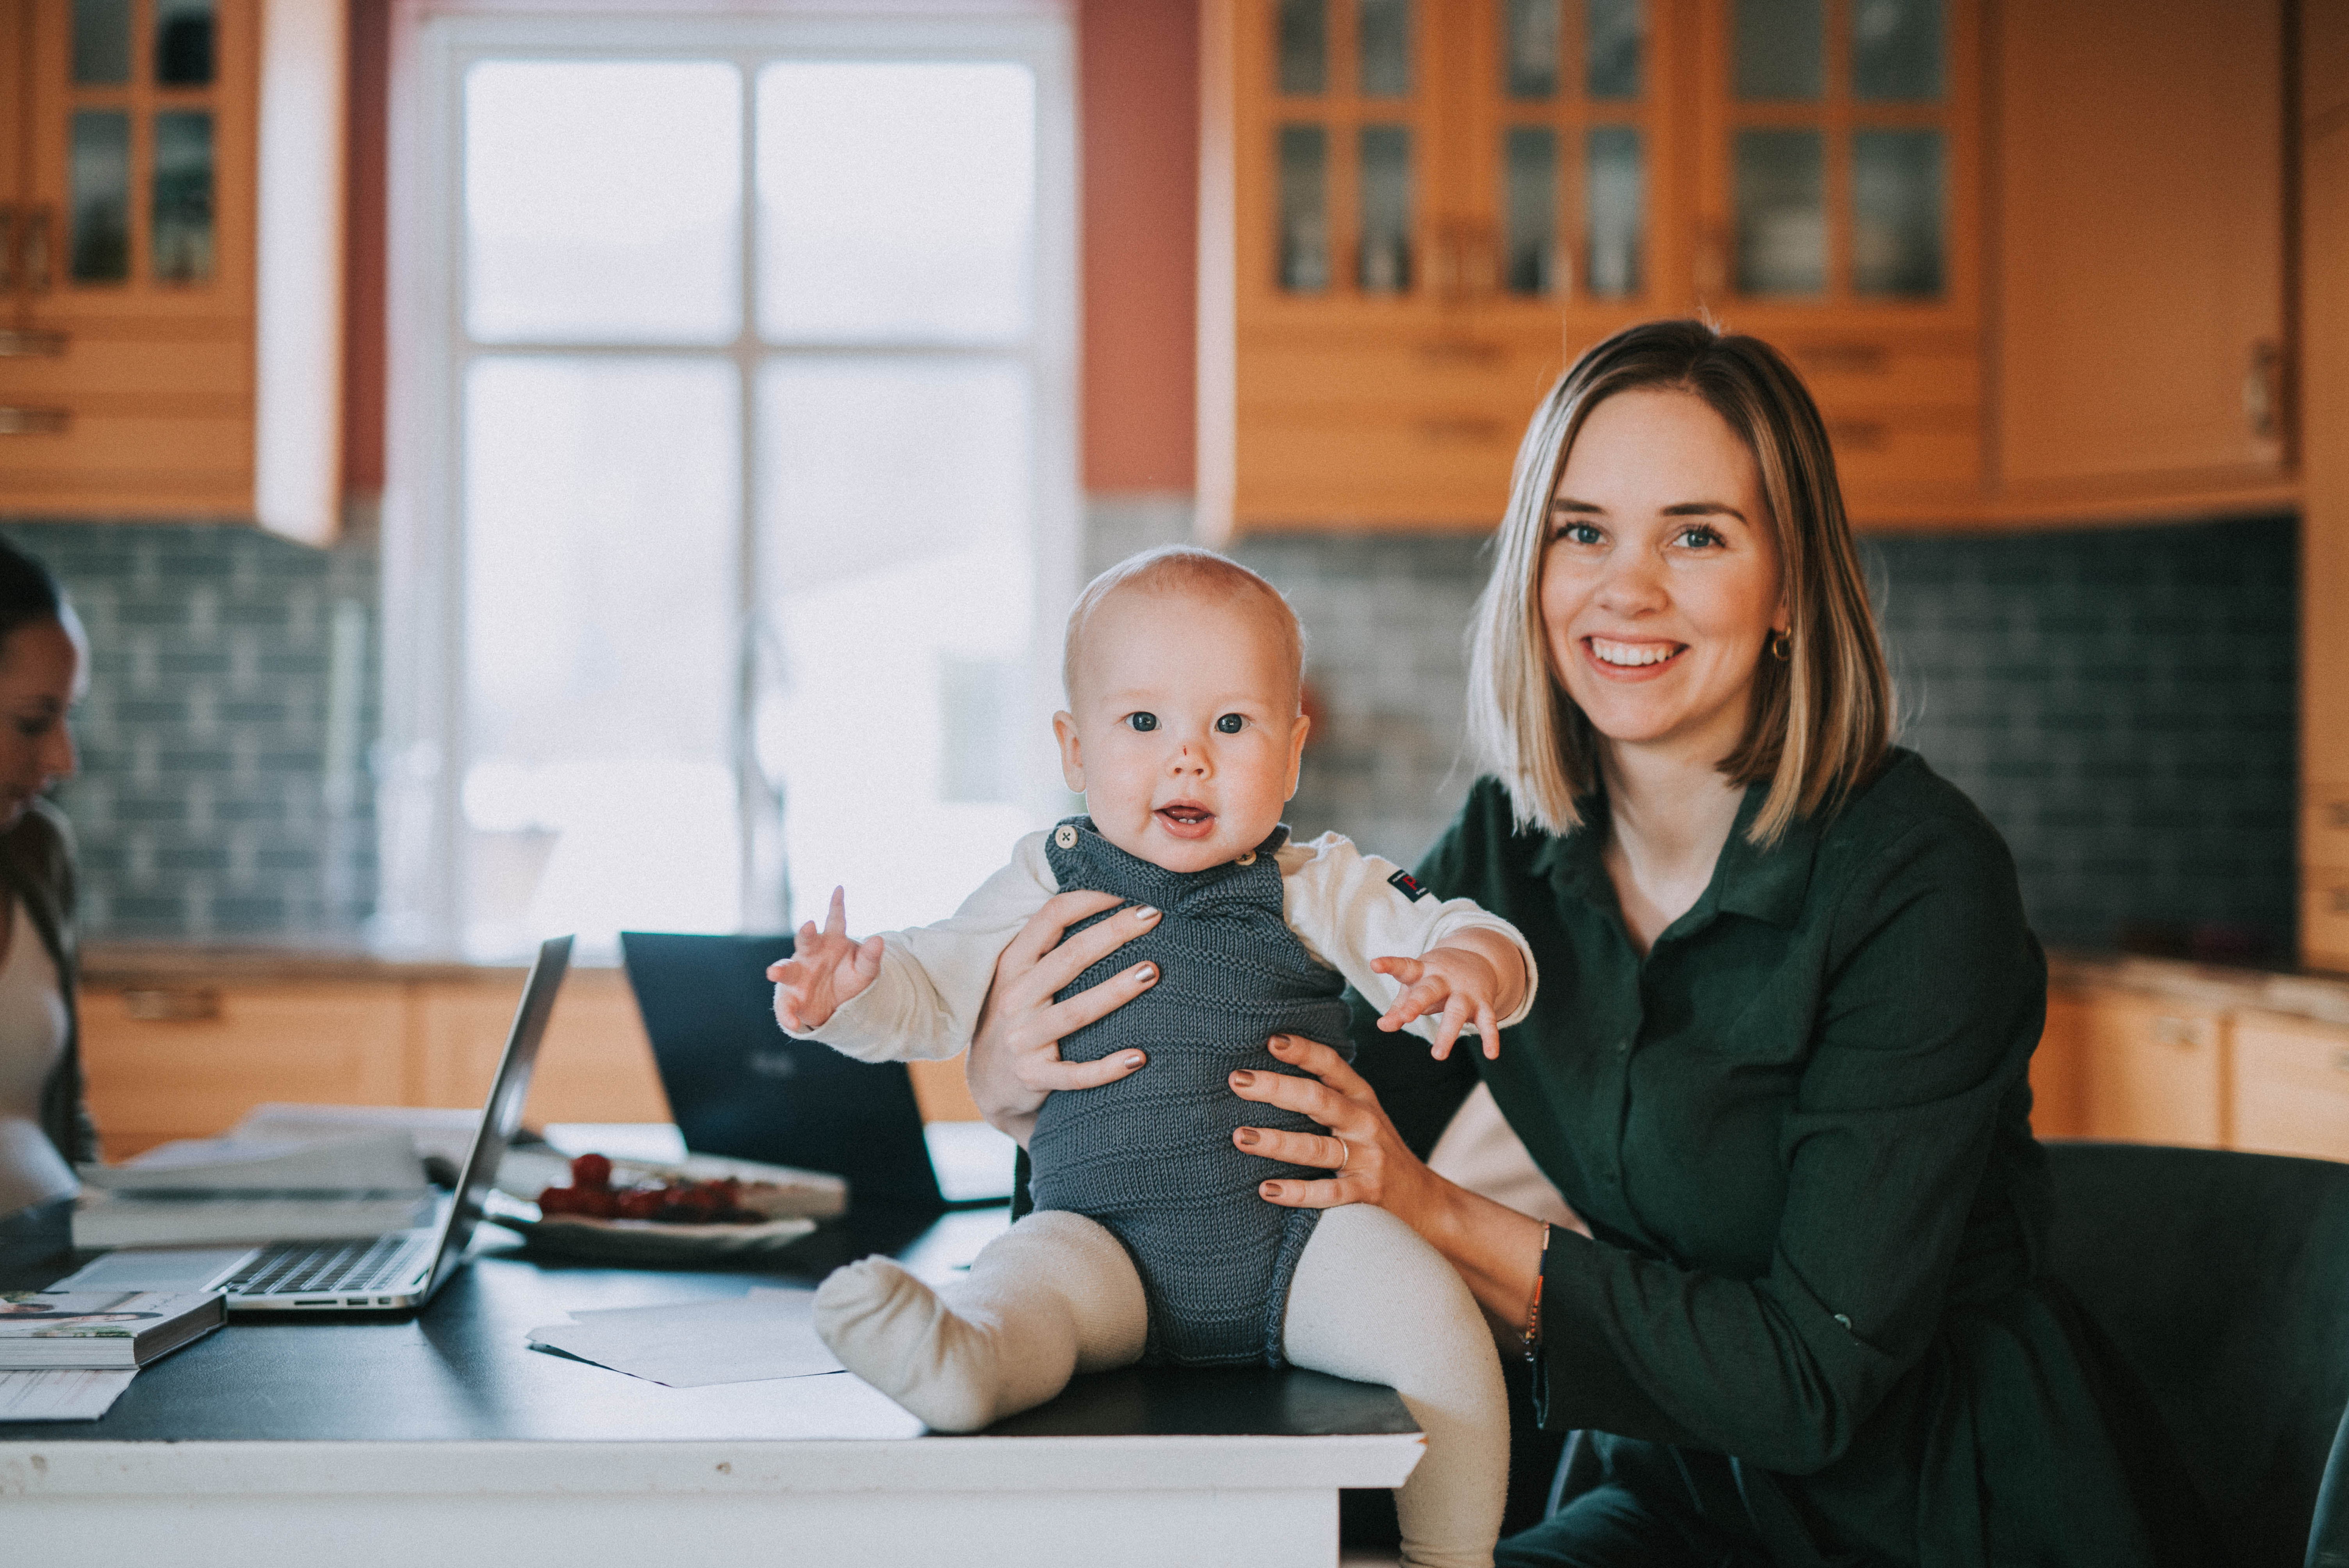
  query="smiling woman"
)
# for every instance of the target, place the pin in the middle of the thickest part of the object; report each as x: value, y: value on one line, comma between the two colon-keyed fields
x: 44, y: 1124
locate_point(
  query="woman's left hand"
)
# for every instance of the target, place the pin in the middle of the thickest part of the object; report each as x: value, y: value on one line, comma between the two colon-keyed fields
x: 1366, y: 1158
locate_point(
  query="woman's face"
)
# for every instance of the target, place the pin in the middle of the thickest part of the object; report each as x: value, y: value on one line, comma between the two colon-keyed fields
x: 1660, y: 579
x: 40, y: 675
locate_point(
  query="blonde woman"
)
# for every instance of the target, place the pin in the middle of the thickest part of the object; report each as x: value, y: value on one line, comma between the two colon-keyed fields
x: 1777, y: 1066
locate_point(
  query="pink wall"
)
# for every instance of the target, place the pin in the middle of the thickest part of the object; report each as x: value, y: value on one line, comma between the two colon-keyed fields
x: 1138, y: 107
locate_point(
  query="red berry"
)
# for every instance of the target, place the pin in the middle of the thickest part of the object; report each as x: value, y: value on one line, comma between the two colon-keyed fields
x: 591, y: 1172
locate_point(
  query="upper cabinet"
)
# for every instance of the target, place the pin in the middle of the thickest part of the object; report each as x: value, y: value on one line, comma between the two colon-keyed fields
x: 1416, y: 211
x: 2140, y: 256
x: 132, y: 281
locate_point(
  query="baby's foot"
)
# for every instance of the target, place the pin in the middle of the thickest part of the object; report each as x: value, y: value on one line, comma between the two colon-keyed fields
x: 893, y: 1331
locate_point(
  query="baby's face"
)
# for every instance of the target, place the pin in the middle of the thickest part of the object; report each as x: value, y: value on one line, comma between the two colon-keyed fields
x: 1184, y: 737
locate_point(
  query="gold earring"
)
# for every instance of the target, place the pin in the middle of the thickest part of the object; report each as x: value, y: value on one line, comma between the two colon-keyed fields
x: 1782, y: 646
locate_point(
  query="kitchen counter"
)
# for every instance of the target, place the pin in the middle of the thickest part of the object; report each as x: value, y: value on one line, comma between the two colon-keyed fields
x: 2305, y: 994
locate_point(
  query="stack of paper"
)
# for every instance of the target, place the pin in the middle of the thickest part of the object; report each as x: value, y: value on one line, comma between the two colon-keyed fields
x: 745, y: 1339
x: 246, y: 1188
x: 60, y: 1396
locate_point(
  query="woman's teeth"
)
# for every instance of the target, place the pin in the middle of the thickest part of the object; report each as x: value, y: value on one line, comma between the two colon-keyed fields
x: 1634, y: 654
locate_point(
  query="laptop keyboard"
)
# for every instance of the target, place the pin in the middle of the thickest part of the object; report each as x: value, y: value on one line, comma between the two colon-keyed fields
x: 370, y: 1264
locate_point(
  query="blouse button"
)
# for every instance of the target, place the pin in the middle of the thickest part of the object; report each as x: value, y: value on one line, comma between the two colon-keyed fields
x: 1065, y: 836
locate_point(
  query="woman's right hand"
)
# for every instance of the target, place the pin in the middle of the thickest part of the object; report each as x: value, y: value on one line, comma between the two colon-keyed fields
x: 1014, y: 1056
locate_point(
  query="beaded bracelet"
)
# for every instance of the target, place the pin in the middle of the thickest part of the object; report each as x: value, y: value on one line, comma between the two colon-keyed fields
x: 1533, y: 1308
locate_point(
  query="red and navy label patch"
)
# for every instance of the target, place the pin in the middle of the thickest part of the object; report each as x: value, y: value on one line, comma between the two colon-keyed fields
x: 1408, y: 885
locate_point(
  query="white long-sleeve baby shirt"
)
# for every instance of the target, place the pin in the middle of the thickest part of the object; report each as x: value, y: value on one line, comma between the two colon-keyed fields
x: 1347, y: 907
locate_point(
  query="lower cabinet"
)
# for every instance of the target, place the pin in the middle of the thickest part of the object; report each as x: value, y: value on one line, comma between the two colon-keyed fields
x: 2133, y: 1067
x: 186, y: 1060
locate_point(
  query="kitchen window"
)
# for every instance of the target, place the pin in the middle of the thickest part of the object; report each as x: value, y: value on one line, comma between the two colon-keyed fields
x: 733, y: 507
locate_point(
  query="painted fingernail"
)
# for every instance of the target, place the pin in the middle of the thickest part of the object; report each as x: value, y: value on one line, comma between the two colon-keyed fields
x: 1243, y: 1078
x: 1145, y: 915
x: 1244, y: 1138
x: 1145, y: 971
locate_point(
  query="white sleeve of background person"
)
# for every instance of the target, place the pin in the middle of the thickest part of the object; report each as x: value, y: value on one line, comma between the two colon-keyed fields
x: 923, y: 1004
x: 1349, y: 910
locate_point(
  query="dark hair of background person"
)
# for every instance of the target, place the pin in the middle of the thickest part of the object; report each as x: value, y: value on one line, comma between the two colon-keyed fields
x: 28, y: 592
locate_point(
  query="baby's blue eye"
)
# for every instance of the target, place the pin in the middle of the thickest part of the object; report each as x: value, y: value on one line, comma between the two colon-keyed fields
x: 1142, y: 720
x: 1231, y: 723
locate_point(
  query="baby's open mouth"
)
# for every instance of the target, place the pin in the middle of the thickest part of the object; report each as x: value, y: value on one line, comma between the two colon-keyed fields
x: 1187, y: 819
x: 1634, y: 656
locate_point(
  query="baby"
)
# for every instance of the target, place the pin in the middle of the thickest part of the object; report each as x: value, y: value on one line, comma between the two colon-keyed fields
x: 1150, y: 1241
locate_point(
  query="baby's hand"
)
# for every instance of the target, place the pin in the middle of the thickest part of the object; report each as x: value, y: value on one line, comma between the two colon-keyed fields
x: 1463, y: 984
x: 826, y: 968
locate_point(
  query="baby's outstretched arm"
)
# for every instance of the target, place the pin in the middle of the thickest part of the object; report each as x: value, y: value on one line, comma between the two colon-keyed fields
x: 826, y: 968
x: 1476, y: 979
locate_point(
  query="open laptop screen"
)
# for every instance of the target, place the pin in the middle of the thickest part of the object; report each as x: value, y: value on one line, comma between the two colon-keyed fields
x: 738, y: 1086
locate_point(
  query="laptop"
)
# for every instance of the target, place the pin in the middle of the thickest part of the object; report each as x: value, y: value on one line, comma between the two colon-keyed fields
x: 389, y: 1273
x: 738, y: 1086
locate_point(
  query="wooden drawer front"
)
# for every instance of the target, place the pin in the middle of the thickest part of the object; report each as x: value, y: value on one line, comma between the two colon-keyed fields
x: 2325, y: 915
x: 2324, y: 824
x: 1384, y: 467
x: 219, y: 366
x: 200, y: 448
x: 1860, y: 377
x: 187, y: 1061
x: 1892, y: 451
x: 2290, y: 1086
x: 2058, y: 1107
x: 1504, y: 372
x: 2154, y: 1073
x: 596, y: 1064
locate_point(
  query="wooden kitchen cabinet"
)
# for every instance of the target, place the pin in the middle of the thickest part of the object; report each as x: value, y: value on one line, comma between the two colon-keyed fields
x: 594, y: 1065
x: 2030, y: 259
x: 2059, y: 1070
x: 2324, y: 516
x: 170, y: 260
x: 2153, y: 1070
x: 2142, y: 357
x: 183, y: 1060
x: 2289, y: 1086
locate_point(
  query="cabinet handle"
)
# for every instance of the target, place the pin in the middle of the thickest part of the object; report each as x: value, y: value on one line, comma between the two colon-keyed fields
x: 1461, y: 429
x: 35, y: 421
x: 2263, y: 390
x: 2177, y: 1032
x: 27, y: 341
x: 2336, y: 814
x: 1843, y: 359
x: 36, y: 222
x: 2339, y: 898
x: 1858, y: 435
x: 172, y: 1004
x: 1463, y: 351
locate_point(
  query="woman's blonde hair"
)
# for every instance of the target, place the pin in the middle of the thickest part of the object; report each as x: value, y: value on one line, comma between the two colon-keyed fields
x: 1822, y: 716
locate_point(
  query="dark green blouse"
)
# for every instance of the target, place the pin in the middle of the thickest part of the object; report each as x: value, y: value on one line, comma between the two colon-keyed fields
x: 1799, y: 1131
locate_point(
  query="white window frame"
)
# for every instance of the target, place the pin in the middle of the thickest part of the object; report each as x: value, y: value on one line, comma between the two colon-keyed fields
x: 420, y: 765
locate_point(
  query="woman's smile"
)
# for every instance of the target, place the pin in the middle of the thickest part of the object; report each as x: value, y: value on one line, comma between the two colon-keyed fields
x: 1620, y: 660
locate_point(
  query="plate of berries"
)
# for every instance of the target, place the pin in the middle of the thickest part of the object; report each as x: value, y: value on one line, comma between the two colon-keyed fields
x: 635, y: 1211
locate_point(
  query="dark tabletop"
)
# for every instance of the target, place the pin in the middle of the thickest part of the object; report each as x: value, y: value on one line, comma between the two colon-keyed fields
x: 461, y: 1370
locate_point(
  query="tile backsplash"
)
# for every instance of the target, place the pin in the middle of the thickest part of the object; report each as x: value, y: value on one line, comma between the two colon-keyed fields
x: 2119, y: 701
x: 224, y: 790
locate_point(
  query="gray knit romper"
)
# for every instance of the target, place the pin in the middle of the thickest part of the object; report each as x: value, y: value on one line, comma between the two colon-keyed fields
x: 1150, y: 1156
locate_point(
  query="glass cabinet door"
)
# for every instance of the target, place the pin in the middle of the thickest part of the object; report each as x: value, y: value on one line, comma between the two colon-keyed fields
x: 1836, y: 147
x: 1349, y: 150
x: 1575, y: 84
x: 125, y: 150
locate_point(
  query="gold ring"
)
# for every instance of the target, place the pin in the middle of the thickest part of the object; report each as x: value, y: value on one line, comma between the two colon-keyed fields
x: 1347, y: 1155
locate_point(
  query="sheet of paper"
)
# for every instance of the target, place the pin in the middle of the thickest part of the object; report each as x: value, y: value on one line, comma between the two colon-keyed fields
x: 767, y: 1334
x: 341, y: 1160
x: 60, y: 1396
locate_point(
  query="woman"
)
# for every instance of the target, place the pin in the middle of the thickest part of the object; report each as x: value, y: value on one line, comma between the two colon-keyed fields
x: 44, y: 1127
x: 1777, y: 1065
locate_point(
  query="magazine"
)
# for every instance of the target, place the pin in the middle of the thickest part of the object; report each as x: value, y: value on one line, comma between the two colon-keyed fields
x: 103, y: 1328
